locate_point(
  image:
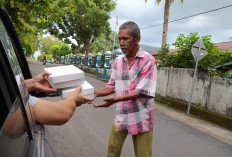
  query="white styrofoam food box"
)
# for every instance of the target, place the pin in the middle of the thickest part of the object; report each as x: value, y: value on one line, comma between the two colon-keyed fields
x: 87, y: 90
x: 65, y: 76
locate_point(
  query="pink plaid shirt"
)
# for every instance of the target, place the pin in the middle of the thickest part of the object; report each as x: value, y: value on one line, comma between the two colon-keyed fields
x: 137, y: 115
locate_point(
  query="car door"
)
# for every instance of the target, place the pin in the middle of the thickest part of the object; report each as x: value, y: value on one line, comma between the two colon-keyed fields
x: 15, y: 127
x: 20, y: 135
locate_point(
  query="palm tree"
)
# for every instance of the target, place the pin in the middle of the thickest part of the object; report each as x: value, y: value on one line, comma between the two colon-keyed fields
x: 166, y: 19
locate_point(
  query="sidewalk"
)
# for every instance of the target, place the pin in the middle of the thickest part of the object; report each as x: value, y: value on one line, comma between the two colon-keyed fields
x: 199, y: 124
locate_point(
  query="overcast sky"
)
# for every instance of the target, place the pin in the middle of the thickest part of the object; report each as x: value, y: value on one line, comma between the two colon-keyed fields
x: 218, y: 23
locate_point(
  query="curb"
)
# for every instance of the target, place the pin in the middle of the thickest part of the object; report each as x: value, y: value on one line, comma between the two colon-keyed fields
x: 215, y: 118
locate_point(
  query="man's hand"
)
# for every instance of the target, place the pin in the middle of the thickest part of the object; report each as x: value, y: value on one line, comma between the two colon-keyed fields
x: 40, y: 83
x: 95, y: 96
x: 78, y: 97
x: 108, y: 102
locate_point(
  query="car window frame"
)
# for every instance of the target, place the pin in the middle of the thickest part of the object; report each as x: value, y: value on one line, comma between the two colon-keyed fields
x: 16, y: 44
x: 11, y: 80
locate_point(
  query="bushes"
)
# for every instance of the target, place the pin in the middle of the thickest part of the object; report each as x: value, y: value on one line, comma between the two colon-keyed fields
x: 183, y: 58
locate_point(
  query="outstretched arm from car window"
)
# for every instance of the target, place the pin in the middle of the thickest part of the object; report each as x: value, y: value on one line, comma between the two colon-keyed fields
x: 58, y: 113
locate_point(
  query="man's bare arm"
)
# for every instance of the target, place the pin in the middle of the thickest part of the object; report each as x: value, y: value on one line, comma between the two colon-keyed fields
x: 111, y: 100
x: 103, y: 92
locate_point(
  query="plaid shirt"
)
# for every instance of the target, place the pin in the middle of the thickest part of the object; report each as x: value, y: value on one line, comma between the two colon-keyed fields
x: 136, y: 115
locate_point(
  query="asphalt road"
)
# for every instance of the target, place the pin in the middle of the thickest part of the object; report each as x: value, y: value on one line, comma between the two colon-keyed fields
x: 87, y: 133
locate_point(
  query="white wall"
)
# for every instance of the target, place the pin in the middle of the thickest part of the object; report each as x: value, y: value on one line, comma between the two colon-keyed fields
x: 213, y: 93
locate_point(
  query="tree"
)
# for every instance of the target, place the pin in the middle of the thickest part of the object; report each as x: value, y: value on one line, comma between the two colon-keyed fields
x: 183, y: 57
x: 105, y: 42
x: 47, y: 42
x: 166, y: 19
x: 24, y: 13
x: 53, y: 46
x: 162, y: 54
x: 40, y: 58
x: 64, y: 50
x: 83, y: 20
x: 27, y: 16
x: 29, y: 41
x: 55, y: 51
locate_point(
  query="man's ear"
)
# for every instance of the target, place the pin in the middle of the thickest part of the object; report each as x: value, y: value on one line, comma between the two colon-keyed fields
x: 137, y: 39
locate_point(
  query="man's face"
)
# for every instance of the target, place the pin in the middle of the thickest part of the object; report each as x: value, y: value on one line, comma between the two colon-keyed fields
x: 126, y: 41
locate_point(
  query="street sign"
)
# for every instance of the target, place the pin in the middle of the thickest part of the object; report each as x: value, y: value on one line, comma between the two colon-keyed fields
x: 198, y: 51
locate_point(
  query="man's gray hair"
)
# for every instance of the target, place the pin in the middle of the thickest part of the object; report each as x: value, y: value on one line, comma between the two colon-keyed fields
x: 133, y: 26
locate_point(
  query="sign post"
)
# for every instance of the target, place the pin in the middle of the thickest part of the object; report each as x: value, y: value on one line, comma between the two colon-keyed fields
x: 198, y: 51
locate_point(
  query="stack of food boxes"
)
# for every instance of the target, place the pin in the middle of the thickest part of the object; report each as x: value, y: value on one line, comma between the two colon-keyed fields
x: 68, y: 78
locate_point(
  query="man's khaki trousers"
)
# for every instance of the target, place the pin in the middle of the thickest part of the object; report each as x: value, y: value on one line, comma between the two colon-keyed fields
x: 142, y: 143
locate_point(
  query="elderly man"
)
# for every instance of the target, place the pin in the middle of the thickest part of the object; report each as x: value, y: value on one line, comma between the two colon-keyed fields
x: 133, y: 80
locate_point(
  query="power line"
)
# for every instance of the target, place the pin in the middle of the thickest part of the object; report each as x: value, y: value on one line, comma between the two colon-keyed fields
x: 189, y: 16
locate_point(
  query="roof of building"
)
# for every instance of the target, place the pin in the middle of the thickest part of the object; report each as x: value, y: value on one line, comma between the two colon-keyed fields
x: 149, y: 48
x: 170, y: 51
x: 225, y: 45
x: 227, y: 65
x: 222, y: 45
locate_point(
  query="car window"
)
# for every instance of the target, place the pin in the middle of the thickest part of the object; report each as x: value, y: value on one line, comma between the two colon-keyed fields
x: 13, y: 135
x: 13, y: 129
x: 8, y: 51
x: 16, y: 44
x: 3, y: 108
x: 15, y: 112
x: 6, y: 43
